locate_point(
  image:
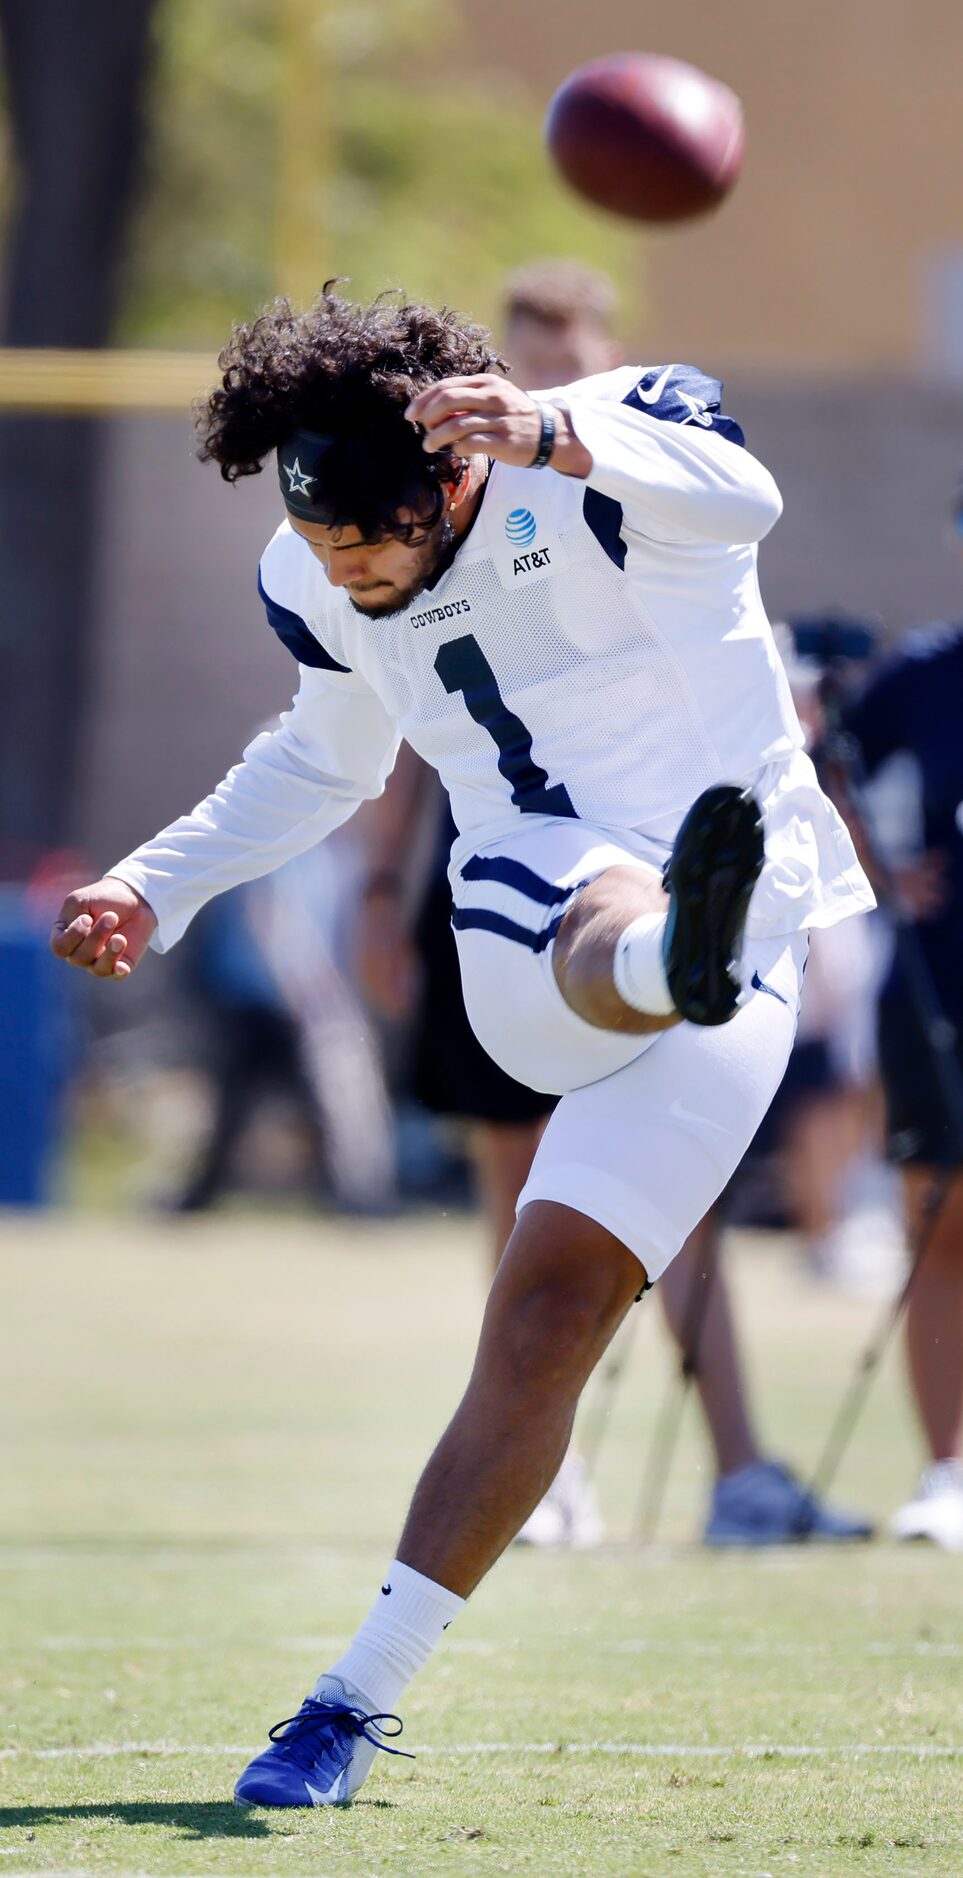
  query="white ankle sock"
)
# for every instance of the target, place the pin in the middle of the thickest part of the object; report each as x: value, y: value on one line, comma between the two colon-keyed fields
x: 638, y: 969
x: 401, y: 1629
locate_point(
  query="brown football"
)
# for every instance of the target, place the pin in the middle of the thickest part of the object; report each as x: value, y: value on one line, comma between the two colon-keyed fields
x: 646, y: 136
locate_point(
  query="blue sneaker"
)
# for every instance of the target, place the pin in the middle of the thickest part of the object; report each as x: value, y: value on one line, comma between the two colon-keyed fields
x: 318, y: 1757
x: 763, y: 1504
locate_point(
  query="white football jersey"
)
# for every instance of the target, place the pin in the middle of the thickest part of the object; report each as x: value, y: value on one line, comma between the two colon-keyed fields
x: 595, y: 649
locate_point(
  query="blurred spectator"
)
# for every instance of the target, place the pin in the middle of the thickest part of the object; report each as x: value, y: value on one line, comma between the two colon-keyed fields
x: 824, y: 1129
x: 285, y: 1020
x: 557, y: 322
x: 912, y: 709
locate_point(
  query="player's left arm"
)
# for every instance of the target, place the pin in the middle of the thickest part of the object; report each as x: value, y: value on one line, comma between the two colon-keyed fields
x: 677, y: 479
x: 489, y: 416
x: 678, y: 468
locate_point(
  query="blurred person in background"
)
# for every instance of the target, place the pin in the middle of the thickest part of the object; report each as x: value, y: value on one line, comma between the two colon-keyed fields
x: 558, y: 322
x: 912, y: 709
x: 558, y: 319
x: 825, y: 1126
x: 286, y: 1021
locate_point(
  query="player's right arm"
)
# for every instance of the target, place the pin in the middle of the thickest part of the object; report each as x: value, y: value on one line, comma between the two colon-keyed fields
x: 104, y: 928
x: 294, y: 785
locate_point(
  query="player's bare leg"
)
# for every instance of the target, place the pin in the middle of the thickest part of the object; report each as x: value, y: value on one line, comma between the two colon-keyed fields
x: 502, y: 1156
x: 560, y: 1292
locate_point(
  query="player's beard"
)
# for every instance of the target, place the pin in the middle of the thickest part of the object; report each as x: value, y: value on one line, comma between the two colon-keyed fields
x: 431, y: 555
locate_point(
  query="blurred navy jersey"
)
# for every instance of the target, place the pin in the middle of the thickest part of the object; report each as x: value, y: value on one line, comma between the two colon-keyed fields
x: 914, y: 706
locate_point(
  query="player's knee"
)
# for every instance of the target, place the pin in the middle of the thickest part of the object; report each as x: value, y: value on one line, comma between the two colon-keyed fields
x: 582, y: 958
x: 552, y: 1316
x: 576, y: 978
x: 555, y: 1334
x: 584, y: 952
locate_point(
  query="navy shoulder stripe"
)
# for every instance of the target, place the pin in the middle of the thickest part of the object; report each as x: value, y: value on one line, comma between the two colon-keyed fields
x: 678, y: 394
x: 604, y: 517
x: 681, y: 394
x: 293, y: 633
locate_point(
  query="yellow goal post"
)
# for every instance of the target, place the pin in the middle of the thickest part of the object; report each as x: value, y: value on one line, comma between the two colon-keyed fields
x: 74, y: 383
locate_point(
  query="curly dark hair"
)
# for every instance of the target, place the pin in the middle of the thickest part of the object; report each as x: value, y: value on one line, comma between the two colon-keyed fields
x: 348, y: 372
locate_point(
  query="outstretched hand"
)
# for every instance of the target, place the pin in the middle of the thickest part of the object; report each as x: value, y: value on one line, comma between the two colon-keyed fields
x: 104, y: 929
x: 488, y: 415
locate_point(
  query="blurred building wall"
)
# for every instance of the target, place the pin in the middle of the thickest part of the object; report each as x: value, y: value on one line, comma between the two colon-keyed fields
x: 843, y: 243
x: 186, y: 667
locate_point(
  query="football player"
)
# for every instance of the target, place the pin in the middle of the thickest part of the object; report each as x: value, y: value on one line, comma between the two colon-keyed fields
x: 555, y: 601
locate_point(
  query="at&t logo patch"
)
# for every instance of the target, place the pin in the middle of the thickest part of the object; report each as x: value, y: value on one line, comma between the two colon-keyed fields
x: 521, y: 527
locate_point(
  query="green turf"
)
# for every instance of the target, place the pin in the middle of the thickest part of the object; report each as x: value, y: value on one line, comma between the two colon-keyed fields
x: 210, y: 1432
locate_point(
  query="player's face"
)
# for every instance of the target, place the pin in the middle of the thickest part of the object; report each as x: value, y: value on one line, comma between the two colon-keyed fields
x: 379, y: 577
x: 543, y: 353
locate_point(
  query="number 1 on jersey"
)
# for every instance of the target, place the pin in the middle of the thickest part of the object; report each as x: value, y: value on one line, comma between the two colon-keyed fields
x: 462, y: 667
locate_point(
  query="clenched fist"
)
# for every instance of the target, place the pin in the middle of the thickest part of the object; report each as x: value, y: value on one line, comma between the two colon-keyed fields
x: 104, y: 929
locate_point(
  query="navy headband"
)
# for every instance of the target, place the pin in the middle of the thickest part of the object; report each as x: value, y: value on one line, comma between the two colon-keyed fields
x: 373, y: 471
x: 300, y: 457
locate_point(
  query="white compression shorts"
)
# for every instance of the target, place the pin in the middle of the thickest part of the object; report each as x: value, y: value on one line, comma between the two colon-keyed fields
x: 649, y: 1130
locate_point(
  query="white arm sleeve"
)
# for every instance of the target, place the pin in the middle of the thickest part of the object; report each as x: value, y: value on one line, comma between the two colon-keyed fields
x: 332, y: 750
x: 676, y: 482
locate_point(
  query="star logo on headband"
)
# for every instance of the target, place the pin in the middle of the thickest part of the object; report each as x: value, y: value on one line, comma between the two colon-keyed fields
x: 299, y: 482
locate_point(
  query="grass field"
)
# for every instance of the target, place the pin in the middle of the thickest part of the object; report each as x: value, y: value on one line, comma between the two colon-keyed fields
x: 210, y: 1433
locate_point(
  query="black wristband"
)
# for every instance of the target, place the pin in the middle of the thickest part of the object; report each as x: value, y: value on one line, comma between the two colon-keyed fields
x: 546, y: 442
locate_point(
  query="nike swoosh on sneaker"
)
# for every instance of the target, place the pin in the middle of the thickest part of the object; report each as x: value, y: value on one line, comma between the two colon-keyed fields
x: 323, y: 1799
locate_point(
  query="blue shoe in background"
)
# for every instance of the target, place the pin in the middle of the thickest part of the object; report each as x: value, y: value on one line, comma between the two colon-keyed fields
x: 764, y: 1504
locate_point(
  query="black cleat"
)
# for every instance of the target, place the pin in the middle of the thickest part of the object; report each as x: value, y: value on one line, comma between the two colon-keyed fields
x: 715, y: 863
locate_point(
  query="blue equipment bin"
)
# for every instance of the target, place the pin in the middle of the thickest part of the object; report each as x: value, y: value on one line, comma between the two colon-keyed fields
x: 33, y: 1054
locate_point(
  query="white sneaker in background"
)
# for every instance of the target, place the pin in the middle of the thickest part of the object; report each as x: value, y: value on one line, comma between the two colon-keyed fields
x: 544, y: 1525
x: 937, y: 1511
x: 569, y: 1513
x: 865, y: 1253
